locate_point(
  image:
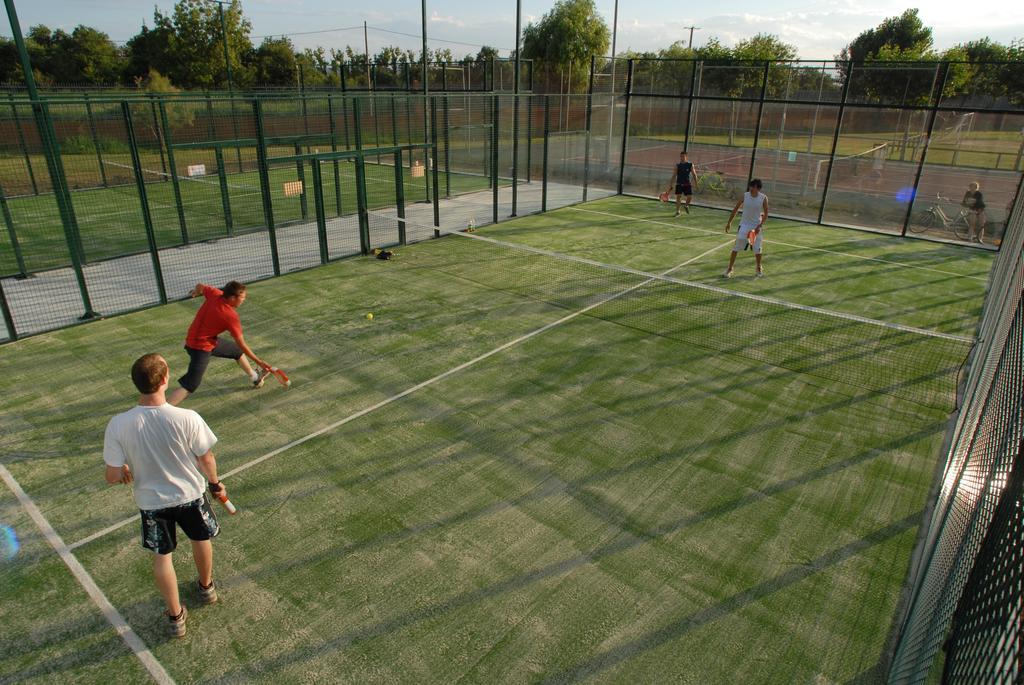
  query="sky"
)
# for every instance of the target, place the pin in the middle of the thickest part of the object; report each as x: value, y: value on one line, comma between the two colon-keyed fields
x: 819, y: 30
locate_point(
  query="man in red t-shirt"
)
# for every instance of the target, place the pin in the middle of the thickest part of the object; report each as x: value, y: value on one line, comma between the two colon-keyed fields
x: 216, y: 315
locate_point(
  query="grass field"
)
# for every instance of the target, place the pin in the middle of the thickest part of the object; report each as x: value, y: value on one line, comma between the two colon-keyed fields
x: 609, y: 500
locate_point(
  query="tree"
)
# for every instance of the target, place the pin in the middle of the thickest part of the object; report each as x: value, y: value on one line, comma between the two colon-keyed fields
x: 897, y: 39
x: 567, y: 36
x: 273, y: 63
x: 149, y: 49
x: 905, y: 35
x: 197, y: 46
x: 485, y: 54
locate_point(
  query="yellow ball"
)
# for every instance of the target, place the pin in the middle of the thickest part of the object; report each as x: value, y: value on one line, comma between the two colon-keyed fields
x: 369, y: 315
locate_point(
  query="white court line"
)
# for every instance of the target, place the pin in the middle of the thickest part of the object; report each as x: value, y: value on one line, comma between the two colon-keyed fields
x: 112, y: 615
x: 419, y: 386
x: 778, y: 242
x: 724, y: 291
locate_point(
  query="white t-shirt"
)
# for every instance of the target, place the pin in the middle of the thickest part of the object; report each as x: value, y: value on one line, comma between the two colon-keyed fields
x: 160, y: 445
x: 752, y: 208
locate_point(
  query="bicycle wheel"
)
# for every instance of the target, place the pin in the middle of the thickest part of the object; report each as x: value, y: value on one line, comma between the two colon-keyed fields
x: 960, y: 229
x: 922, y: 221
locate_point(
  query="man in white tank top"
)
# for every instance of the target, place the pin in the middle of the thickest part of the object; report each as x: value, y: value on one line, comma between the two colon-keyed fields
x: 755, y: 213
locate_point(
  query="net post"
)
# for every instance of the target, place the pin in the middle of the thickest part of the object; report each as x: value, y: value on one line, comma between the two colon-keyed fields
x: 22, y: 144
x: 495, y: 103
x: 544, y: 163
x: 225, y: 197
x: 433, y: 151
x: 760, y: 113
x: 13, y: 235
x: 178, y: 205
x: 835, y: 136
x: 400, y: 197
x: 334, y: 148
x: 625, y: 123
x: 589, y: 120
x: 318, y: 206
x: 140, y: 185
x: 933, y: 112
x: 12, y: 332
x: 268, y: 205
x: 95, y: 139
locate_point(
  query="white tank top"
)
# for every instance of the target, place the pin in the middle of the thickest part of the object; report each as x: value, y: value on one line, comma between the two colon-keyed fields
x: 752, y: 208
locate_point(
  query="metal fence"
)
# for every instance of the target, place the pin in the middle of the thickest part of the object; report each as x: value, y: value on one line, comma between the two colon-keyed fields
x: 968, y: 590
x: 115, y: 205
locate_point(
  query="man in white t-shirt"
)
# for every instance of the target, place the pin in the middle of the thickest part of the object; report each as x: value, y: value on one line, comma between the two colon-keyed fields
x: 166, y: 452
x: 755, y: 213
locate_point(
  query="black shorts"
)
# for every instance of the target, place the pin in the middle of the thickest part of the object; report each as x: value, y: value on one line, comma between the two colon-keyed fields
x: 195, y: 518
x: 684, y: 189
x: 200, y: 359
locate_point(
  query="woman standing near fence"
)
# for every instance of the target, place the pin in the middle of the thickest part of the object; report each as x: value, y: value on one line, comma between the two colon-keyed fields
x: 975, y: 204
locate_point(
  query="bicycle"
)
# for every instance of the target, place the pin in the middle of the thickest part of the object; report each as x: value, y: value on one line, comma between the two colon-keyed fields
x: 714, y: 181
x: 935, y: 215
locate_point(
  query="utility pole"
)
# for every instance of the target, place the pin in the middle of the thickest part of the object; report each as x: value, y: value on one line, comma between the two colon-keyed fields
x: 366, y: 48
x: 224, y: 38
x: 692, y: 28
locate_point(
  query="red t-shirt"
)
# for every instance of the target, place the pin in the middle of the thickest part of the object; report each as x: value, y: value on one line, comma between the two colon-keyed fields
x: 213, y: 318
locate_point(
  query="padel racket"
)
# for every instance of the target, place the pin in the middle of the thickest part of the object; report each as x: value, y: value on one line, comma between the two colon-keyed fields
x: 751, y: 239
x: 281, y: 376
x: 664, y: 196
x: 223, y: 499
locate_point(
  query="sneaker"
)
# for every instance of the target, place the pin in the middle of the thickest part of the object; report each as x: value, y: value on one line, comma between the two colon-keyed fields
x: 687, y: 208
x: 207, y: 595
x: 727, y: 274
x: 760, y: 273
x: 678, y: 212
x: 261, y: 376
x: 176, y: 625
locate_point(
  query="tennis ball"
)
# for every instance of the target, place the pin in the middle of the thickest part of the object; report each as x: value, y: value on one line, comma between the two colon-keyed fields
x: 369, y: 315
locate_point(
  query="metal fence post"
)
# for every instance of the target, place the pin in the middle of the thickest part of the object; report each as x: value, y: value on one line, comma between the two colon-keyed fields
x: 174, y: 173
x: 495, y: 103
x: 334, y: 162
x: 321, y: 217
x: 934, y: 110
x: 361, y: 203
x: 156, y: 132
x: 757, y: 124
x: 300, y: 173
x: 433, y: 151
x: 689, y: 106
x: 268, y: 205
x: 13, y: 235
x: 140, y: 186
x: 12, y: 332
x: 586, y: 138
x: 400, y: 196
x: 625, y: 124
x: 447, y: 150
x: 22, y: 144
x: 544, y: 163
x: 835, y: 137
x: 225, y: 195
x: 95, y: 139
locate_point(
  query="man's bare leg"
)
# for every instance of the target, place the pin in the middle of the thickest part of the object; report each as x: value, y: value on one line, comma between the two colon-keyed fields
x: 167, y: 582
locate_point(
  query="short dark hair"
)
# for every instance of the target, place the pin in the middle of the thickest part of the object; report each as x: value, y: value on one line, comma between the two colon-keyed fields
x: 755, y: 182
x: 148, y: 373
x: 233, y: 288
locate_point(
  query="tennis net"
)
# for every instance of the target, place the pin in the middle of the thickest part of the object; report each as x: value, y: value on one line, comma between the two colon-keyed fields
x: 876, y: 356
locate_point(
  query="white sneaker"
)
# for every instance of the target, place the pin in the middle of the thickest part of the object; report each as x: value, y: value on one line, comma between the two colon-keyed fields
x: 678, y: 213
x: 727, y: 274
x: 760, y: 273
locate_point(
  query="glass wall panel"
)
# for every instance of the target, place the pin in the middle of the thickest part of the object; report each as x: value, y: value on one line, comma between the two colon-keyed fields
x: 657, y: 134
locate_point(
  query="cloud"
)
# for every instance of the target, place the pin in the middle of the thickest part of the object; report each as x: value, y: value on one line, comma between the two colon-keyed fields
x: 436, y: 18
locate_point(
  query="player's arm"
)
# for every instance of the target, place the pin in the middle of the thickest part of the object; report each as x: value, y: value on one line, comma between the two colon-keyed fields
x: 207, y: 464
x: 247, y: 351
x: 764, y: 214
x: 732, y: 215
x: 672, y: 181
x: 118, y: 474
x: 198, y: 290
x: 693, y: 174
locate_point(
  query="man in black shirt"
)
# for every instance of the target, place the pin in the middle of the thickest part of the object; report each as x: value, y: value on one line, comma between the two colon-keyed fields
x: 681, y: 180
x: 975, y: 204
